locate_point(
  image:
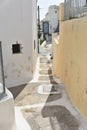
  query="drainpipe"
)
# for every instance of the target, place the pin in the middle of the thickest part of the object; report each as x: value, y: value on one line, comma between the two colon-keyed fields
x: 38, y: 27
x: 2, y: 68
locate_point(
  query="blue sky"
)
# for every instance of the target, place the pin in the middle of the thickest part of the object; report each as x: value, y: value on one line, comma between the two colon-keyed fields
x: 44, y: 4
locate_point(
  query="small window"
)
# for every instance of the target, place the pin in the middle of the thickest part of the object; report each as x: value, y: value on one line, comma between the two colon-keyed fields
x: 16, y: 48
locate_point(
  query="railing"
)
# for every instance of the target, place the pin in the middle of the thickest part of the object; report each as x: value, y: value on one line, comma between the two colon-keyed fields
x: 2, y: 81
x: 75, y: 9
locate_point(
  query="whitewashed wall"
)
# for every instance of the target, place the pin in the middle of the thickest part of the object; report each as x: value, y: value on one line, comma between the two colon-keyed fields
x: 34, y: 33
x: 16, y: 24
x: 52, y: 17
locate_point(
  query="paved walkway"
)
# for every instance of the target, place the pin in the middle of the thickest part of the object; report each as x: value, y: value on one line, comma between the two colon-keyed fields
x: 44, y: 101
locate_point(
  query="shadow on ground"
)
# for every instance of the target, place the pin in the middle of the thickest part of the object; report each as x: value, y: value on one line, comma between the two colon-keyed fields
x: 60, y: 117
x: 17, y: 90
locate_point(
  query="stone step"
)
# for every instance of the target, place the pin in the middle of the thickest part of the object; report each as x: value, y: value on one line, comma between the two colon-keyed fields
x: 33, y: 124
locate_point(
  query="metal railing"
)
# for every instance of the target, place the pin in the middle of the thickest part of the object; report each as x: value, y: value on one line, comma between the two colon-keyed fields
x: 2, y: 81
x: 75, y: 9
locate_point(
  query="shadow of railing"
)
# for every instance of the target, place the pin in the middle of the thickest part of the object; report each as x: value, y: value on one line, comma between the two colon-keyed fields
x: 52, y: 97
x: 52, y: 81
x: 60, y: 117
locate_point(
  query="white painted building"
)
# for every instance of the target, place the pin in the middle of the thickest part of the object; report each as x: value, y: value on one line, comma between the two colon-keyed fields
x: 77, y: 3
x: 52, y: 17
x: 18, y: 33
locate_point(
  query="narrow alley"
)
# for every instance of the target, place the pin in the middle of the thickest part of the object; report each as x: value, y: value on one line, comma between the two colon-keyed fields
x: 44, y: 102
x: 43, y: 65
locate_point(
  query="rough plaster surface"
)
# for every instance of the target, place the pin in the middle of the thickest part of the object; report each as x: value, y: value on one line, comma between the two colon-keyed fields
x: 70, y: 62
x: 17, y: 25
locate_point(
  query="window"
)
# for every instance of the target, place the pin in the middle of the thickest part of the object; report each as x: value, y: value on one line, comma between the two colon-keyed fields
x: 16, y: 48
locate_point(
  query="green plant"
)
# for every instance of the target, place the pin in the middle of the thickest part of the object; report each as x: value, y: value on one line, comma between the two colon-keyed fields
x: 41, y: 41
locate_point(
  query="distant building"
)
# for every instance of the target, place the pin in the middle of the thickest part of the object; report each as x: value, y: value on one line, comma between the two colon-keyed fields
x: 52, y: 17
x: 18, y: 33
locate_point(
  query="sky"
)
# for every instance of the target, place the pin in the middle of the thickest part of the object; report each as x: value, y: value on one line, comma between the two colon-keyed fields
x: 44, y: 4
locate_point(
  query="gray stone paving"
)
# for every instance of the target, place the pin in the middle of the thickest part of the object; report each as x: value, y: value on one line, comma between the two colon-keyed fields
x: 44, y: 72
x: 30, y: 95
x: 51, y: 118
x: 57, y: 113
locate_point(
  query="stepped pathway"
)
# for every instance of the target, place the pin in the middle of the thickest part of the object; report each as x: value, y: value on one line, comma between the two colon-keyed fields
x: 45, y: 104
